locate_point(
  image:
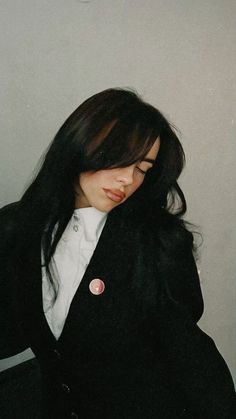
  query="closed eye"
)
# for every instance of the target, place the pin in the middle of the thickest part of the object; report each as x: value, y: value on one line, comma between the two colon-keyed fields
x: 141, y: 171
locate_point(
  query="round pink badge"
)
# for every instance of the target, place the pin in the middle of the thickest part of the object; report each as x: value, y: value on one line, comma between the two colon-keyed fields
x: 97, y: 286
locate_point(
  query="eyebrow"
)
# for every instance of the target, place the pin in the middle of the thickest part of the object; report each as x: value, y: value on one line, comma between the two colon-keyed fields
x: 149, y: 160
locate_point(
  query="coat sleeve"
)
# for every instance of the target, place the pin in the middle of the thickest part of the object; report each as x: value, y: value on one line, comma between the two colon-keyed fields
x: 12, y: 340
x: 199, y: 370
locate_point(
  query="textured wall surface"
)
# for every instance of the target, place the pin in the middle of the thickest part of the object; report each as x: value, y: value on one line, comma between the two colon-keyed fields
x: 180, y: 55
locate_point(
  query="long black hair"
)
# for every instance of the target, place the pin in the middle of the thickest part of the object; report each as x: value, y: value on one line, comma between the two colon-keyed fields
x: 113, y: 128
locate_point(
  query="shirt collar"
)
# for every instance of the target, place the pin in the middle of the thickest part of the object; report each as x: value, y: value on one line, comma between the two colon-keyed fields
x: 92, y: 220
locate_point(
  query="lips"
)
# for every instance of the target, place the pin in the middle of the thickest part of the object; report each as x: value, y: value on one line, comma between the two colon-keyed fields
x: 114, y: 194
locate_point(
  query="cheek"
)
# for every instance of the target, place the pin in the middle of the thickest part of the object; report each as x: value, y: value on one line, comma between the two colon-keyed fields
x: 136, y: 184
x: 85, y: 182
x: 90, y: 181
x: 82, y: 180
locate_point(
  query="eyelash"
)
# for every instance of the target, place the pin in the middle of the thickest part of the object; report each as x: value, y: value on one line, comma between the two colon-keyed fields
x: 141, y: 171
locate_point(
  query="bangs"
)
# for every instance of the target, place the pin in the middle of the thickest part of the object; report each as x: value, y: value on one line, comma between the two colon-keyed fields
x: 120, y: 143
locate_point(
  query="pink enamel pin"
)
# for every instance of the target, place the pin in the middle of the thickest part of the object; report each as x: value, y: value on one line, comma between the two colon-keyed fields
x: 97, y: 286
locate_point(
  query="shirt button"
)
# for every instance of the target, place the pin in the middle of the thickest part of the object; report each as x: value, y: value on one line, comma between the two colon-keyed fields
x: 65, y: 388
x: 56, y: 354
x: 74, y: 415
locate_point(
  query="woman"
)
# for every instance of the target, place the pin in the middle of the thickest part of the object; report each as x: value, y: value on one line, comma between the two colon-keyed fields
x: 98, y: 276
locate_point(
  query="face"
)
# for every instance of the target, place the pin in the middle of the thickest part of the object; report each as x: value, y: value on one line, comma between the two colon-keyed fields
x: 106, y: 189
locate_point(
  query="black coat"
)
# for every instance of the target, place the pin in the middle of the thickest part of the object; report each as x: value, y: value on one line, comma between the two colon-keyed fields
x: 133, y: 352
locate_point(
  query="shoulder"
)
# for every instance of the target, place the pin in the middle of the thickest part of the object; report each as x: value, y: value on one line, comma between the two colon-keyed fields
x: 159, y: 228
x: 176, y: 263
x: 170, y: 231
x: 9, y: 209
x: 8, y: 220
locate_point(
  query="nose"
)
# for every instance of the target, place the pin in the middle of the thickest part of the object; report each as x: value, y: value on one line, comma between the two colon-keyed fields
x: 126, y: 175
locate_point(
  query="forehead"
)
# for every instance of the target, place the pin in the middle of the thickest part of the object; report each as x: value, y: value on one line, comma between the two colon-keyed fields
x: 152, y: 154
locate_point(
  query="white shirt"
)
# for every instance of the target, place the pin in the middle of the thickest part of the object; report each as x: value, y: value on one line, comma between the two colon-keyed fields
x: 69, y: 263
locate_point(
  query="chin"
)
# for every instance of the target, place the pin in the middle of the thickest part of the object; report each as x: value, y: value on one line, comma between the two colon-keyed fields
x: 104, y: 207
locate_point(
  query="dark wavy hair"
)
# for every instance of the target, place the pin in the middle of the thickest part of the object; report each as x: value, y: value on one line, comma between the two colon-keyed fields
x: 113, y: 128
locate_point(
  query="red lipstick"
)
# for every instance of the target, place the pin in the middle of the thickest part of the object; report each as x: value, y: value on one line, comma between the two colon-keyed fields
x: 114, y: 194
